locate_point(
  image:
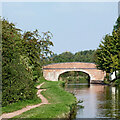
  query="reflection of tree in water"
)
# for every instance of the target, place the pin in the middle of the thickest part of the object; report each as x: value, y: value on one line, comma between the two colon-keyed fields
x: 117, y: 101
x: 109, y: 102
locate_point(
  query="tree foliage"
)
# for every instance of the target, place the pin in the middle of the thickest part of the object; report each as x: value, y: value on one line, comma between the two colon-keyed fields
x: 64, y: 57
x: 82, y: 56
x: 107, y: 55
x: 22, y: 58
x: 117, y: 25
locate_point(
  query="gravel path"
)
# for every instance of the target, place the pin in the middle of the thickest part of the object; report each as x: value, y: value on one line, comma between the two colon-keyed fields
x: 18, y: 112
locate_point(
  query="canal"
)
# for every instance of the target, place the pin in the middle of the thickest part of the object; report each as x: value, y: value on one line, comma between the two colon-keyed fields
x: 99, y: 101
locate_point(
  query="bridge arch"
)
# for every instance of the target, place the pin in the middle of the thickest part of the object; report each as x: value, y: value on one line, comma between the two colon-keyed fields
x: 52, y: 71
x: 83, y: 71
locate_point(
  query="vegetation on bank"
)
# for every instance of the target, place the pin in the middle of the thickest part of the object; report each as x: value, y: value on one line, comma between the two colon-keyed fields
x: 107, y: 56
x: 23, y: 55
x: 116, y: 82
x: 61, y: 102
x: 23, y: 103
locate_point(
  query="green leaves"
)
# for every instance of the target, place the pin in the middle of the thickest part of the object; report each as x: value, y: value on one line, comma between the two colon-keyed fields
x: 107, y: 55
x: 82, y: 56
x: 22, y: 58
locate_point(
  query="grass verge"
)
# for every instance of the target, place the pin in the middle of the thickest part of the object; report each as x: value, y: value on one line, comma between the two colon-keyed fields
x: 21, y: 104
x: 61, y: 103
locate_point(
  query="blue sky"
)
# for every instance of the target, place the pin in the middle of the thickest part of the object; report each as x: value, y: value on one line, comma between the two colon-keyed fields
x: 75, y: 26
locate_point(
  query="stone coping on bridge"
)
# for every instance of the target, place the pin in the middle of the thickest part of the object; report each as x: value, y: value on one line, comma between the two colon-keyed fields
x: 68, y: 62
x: 71, y: 65
x: 66, y: 68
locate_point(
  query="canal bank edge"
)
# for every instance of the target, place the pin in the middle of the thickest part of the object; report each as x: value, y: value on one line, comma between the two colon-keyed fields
x: 62, y: 102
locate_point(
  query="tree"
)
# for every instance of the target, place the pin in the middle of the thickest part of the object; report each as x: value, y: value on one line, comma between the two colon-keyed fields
x: 82, y: 56
x: 22, y: 58
x: 17, y: 82
x: 117, y: 25
x: 37, y: 49
x: 107, y: 55
x: 64, y: 57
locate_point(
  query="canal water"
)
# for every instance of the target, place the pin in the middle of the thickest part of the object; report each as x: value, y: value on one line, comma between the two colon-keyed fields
x: 99, y: 101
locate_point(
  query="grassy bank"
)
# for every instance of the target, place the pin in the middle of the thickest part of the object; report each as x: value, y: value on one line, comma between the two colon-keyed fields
x: 21, y: 104
x: 61, y: 103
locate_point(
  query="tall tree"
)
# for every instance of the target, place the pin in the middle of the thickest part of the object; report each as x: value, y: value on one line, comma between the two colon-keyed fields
x: 117, y: 25
x: 107, y: 55
x: 16, y: 80
x: 37, y: 49
x: 22, y: 58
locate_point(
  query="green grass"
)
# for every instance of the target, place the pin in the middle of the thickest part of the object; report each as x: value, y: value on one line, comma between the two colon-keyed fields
x: 61, y: 103
x: 39, y: 81
x: 21, y: 104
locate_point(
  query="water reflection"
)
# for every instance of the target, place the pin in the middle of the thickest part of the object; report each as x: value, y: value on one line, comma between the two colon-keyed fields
x: 99, y: 101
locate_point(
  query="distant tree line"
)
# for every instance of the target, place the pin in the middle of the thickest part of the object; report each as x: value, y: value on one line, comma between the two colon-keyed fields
x: 81, y: 56
x: 23, y: 54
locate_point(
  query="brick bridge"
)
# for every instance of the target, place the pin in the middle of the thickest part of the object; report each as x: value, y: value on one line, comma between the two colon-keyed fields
x: 51, y: 72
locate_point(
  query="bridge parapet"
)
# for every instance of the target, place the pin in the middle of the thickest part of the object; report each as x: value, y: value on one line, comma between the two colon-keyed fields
x: 71, y: 65
x: 52, y: 71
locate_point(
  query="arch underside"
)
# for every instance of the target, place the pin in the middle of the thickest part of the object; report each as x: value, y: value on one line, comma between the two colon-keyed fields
x: 84, y: 71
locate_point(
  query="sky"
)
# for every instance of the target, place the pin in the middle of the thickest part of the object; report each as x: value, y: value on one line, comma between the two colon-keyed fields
x: 75, y: 26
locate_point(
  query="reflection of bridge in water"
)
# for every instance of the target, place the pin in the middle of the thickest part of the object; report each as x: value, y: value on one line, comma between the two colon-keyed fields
x: 78, y: 87
x: 52, y: 71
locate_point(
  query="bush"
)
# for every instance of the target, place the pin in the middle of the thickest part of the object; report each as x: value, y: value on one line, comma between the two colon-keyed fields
x: 17, y: 83
x: 22, y: 58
